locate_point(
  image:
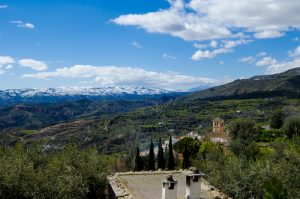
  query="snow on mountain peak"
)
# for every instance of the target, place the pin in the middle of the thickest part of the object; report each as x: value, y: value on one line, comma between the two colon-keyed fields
x: 83, y: 91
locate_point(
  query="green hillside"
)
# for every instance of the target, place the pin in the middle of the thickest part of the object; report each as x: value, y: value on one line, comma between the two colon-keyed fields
x: 283, y: 84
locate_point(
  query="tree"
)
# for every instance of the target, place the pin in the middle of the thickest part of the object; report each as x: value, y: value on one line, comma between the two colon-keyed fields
x: 292, y: 127
x: 138, y: 161
x: 192, y: 145
x: 151, y: 157
x: 277, y: 119
x: 244, y: 133
x: 160, y: 156
x: 171, y: 165
x: 186, y: 158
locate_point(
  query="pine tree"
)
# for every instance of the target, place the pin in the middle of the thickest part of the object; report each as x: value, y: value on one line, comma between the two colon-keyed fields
x: 138, y: 161
x: 186, y: 158
x: 160, y: 156
x: 151, y: 157
x: 171, y: 156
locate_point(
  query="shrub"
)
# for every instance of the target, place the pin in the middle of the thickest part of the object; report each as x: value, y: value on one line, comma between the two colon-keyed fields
x: 292, y: 127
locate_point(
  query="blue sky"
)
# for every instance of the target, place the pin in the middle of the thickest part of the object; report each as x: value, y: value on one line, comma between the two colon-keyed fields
x: 172, y: 44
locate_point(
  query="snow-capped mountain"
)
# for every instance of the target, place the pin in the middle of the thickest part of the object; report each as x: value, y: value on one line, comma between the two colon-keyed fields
x: 64, y: 93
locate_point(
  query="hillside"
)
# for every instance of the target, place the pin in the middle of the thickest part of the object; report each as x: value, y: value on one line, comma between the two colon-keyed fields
x: 283, y: 84
x: 38, y: 115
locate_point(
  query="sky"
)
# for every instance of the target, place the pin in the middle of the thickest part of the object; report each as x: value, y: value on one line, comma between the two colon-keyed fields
x: 169, y: 44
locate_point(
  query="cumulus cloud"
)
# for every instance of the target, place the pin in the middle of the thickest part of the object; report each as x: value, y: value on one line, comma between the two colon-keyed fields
x: 213, y: 44
x: 295, y: 53
x: 266, y: 61
x: 136, y: 44
x: 268, y: 34
x: 5, y: 60
x: 112, y: 76
x: 33, y: 64
x: 261, y: 54
x: 279, y: 67
x: 248, y: 60
x: 22, y: 24
x: 235, y: 43
x: 206, y: 54
x: 177, y: 22
x: 165, y: 55
x: 200, y: 46
x: 274, y: 66
x: 219, y: 19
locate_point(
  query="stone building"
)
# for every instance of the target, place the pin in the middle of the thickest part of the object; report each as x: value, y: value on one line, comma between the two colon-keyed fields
x: 218, y: 125
x: 219, y: 135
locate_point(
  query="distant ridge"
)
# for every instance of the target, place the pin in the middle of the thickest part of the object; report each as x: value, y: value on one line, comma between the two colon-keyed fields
x: 77, y: 93
x: 282, y: 84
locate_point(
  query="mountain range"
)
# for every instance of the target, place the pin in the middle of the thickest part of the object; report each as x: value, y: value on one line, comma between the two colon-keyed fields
x: 283, y: 84
x: 10, y: 96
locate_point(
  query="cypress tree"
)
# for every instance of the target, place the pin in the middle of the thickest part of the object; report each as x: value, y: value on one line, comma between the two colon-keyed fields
x: 171, y: 156
x: 186, y: 158
x: 151, y: 157
x: 138, y: 161
x: 160, y: 156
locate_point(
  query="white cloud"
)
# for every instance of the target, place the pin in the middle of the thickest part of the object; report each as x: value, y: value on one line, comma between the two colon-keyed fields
x: 266, y: 61
x: 22, y: 24
x: 176, y: 22
x: 8, y: 67
x: 219, y: 19
x: 235, y: 43
x: 282, y: 66
x: 200, y: 46
x: 274, y: 66
x: 295, y: 53
x: 213, y: 44
x: 221, y: 62
x: 248, y: 60
x: 200, y: 54
x: 3, y: 6
x: 267, y: 34
x: 136, y: 44
x: 261, y: 54
x: 4, y: 60
x: 165, y: 55
x: 112, y: 76
x: 33, y: 64
x: 2, y: 72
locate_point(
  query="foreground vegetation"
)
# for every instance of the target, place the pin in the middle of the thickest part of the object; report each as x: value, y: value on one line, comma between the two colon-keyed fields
x: 67, y: 173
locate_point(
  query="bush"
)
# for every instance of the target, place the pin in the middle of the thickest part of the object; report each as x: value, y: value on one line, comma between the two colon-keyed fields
x: 244, y: 133
x: 67, y: 173
x: 292, y: 127
x: 277, y: 119
x: 269, y: 135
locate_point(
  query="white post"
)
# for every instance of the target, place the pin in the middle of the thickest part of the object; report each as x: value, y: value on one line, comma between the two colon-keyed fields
x: 193, y: 184
x: 169, y: 188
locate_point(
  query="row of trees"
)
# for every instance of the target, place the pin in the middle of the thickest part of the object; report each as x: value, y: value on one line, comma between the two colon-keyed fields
x: 162, y: 158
